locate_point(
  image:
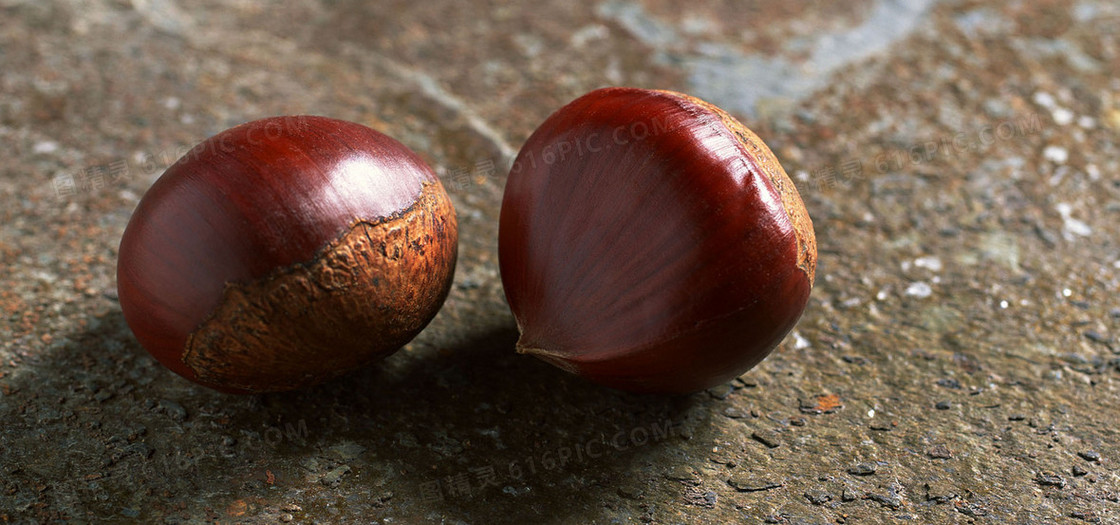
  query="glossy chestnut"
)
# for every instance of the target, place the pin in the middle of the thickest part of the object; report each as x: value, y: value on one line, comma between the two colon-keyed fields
x: 286, y: 251
x: 650, y: 242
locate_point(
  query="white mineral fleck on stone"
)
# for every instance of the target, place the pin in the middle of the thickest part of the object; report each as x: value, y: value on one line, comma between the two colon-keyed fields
x: 1062, y: 116
x: 931, y: 263
x: 919, y: 289
x: 46, y: 146
x: 1056, y: 154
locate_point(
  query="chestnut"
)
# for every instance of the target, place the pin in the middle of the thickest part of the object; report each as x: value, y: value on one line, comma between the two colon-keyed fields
x: 652, y: 243
x: 286, y: 251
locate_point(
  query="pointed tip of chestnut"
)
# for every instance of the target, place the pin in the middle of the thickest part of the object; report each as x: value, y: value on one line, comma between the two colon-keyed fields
x: 650, y: 242
x: 286, y: 251
x: 557, y: 359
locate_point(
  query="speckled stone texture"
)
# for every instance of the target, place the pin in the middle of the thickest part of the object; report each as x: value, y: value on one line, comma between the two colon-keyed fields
x: 958, y: 361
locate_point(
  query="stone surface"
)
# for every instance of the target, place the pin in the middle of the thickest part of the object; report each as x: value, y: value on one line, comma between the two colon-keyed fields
x: 960, y: 161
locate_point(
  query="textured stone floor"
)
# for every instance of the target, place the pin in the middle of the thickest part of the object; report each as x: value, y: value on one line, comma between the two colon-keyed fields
x: 958, y: 361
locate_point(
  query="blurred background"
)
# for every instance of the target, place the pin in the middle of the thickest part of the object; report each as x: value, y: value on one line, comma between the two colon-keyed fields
x: 957, y: 360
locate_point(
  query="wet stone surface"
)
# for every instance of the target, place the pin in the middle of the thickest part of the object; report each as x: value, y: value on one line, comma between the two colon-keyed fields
x: 958, y: 361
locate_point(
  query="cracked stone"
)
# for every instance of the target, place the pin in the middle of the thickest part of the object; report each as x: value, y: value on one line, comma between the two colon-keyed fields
x: 818, y: 496
x: 746, y: 482
x: 767, y: 437
x: 862, y: 469
x: 1050, y: 479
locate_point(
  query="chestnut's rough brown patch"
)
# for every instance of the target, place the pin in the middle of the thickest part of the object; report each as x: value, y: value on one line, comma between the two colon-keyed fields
x: 759, y: 153
x: 370, y: 291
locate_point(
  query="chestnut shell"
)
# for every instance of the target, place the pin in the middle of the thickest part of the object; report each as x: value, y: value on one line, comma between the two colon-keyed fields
x: 650, y: 242
x: 286, y: 251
